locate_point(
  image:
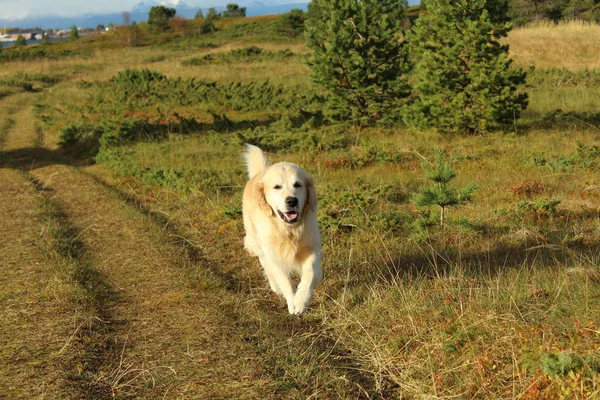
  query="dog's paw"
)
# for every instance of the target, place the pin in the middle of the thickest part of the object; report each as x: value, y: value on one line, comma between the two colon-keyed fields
x: 300, y: 303
x: 299, y: 310
x: 292, y: 308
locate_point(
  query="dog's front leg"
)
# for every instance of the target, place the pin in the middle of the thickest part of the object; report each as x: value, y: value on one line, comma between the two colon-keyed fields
x: 310, y: 277
x: 280, y: 281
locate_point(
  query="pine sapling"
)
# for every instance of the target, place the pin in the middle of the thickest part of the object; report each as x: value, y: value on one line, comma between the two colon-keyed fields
x: 440, y: 192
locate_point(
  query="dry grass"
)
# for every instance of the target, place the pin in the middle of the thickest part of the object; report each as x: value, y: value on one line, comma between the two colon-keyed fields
x: 574, y: 45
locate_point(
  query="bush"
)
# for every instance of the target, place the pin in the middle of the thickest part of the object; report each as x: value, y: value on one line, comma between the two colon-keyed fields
x: 139, y: 105
x: 440, y: 193
x: 29, y: 53
x: 73, y: 33
x: 247, y: 54
x: 20, y: 41
x: 291, y: 24
x: 281, y: 136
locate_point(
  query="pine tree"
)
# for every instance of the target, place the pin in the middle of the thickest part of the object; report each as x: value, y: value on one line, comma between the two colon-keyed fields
x: 464, y: 80
x: 292, y: 23
x: 207, y: 25
x: 359, y: 56
x: 73, y: 33
x: 21, y: 41
x: 158, y: 18
x: 135, y: 34
x: 232, y: 10
x: 212, y: 13
x: 440, y: 192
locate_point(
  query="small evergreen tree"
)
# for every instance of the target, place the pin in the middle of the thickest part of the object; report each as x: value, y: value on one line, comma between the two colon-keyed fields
x: 73, y: 33
x: 158, y: 18
x: 232, y: 10
x: 212, y: 13
x: 359, y: 56
x: 440, y: 192
x: 207, y: 25
x: 292, y: 22
x: 199, y: 14
x: 20, y: 41
x: 464, y: 80
x: 135, y: 35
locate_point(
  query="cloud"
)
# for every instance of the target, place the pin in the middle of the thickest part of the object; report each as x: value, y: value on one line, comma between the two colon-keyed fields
x: 13, y: 9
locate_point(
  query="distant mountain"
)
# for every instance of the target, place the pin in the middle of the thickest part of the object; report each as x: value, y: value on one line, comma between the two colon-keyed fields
x: 140, y: 11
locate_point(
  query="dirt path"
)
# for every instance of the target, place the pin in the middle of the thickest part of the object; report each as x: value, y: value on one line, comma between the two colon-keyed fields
x: 146, y: 332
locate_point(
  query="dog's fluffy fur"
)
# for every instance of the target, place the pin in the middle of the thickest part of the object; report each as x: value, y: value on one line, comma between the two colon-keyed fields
x: 280, y: 218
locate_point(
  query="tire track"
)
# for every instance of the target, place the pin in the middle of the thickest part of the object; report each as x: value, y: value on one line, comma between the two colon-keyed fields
x: 170, y: 338
x: 36, y: 316
x: 140, y: 316
x: 90, y: 346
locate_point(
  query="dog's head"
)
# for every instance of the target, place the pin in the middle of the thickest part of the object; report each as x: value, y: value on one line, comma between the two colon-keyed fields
x: 287, y: 192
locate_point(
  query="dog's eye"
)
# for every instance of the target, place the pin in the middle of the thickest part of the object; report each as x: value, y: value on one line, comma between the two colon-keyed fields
x: 277, y: 187
x: 297, y: 185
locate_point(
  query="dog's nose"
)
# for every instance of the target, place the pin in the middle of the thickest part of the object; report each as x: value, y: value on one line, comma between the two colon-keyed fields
x: 291, y: 201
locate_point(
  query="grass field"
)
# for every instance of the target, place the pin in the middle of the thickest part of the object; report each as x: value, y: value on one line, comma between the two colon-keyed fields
x: 124, y: 274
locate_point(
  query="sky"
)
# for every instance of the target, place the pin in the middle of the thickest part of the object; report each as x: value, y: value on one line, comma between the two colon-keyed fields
x: 15, y: 9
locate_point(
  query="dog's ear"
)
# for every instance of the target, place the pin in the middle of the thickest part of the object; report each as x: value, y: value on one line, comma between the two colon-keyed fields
x: 259, y: 195
x: 311, y: 194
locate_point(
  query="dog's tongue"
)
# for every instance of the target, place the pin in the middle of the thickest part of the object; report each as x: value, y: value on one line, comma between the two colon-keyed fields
x: 290, y: 216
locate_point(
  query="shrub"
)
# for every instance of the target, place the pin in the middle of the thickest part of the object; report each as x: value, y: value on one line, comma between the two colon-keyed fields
x: 73, y: 33
x: 29, y: 53
x: 246, y: 54
x: 281, y: 136
x: 292, y: 23
x: 20, y: 41
x: 146, y: 105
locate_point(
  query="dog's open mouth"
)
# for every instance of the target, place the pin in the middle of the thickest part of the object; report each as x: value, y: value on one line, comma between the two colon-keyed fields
x: 290, y: 217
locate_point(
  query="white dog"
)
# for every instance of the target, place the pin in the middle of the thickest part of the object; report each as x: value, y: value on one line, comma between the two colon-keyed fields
x: 280, y: 217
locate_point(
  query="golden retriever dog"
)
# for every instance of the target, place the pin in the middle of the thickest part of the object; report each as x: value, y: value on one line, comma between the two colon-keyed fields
x: 280, y: 218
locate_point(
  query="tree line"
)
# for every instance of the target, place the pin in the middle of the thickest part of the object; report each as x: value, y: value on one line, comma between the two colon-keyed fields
x: 448, y: 69
x: 524, y: 11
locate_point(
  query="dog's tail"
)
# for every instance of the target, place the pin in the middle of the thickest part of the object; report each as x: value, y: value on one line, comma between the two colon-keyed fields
x: 255, y: 160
